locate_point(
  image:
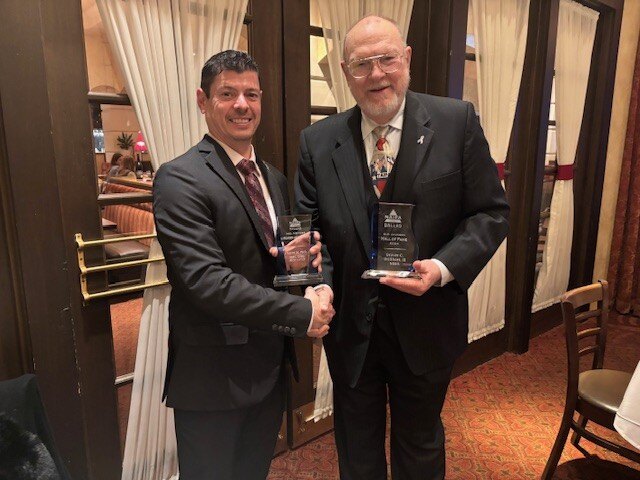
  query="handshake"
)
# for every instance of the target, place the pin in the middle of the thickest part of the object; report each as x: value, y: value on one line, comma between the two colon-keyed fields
x: 321, y: 301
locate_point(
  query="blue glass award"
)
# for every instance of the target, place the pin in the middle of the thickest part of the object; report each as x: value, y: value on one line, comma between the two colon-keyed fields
x: 393, y: 248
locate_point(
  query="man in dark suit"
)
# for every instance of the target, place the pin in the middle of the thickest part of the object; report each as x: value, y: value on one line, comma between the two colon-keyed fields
x: 397, y: 337
x: 215, y: 209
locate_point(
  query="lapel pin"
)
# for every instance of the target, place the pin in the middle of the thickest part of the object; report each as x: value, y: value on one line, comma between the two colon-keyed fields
x: 421, y: 139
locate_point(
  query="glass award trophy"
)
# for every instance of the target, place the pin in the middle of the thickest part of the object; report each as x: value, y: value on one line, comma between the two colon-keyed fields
x: 393, y: 248
x: 294, y: 263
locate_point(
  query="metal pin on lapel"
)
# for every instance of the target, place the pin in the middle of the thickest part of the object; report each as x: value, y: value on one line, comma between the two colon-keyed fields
x: 421, y: 139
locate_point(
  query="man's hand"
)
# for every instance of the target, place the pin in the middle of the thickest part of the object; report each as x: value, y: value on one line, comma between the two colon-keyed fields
x: 322, y: 313
x: 429, y: 275
x: 293, y: 260
x: 325, y: 293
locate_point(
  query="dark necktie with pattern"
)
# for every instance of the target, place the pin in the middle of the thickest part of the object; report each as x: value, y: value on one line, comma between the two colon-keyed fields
x: 249, y: 171
x: 381, y: 160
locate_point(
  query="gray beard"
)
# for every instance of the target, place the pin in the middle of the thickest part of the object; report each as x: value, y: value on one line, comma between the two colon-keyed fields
x: 382, y: 110
x: 387, y: 109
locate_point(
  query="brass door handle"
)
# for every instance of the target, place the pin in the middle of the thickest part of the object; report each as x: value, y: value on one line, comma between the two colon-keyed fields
x: 84, y: 270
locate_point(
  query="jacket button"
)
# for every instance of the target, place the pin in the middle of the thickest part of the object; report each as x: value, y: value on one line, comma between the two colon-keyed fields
x: 280, y: 328
x: 287, y: 329
x: 274, y: 327
x: 369, y: 317
x: 293, y: 330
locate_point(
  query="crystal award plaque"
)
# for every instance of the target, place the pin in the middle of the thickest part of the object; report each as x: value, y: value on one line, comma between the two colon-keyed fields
x: 294, y: 262
x: 393, y: 248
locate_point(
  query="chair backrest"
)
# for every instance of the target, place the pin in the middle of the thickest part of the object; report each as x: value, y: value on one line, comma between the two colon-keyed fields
x: 581, y: 323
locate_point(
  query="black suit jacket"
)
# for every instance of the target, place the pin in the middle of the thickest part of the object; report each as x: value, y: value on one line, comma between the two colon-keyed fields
x: 227, y: 323
x: 444, y: 168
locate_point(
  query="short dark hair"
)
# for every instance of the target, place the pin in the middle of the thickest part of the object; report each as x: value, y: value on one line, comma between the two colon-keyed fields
x: 228, y: 60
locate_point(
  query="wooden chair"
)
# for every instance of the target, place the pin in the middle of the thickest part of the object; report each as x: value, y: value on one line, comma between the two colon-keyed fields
x: 594, y: 394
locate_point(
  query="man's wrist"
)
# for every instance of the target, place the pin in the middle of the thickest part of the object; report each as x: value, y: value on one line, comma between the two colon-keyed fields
x: 311, y: 319
x: 445, y: 274
x: 323, y: 286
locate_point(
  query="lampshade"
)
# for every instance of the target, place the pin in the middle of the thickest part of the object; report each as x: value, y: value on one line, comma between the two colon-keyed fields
x: 140, y: 145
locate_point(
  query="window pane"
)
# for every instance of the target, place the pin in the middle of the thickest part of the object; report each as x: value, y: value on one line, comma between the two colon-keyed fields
x: 551, y: 141
x: 243, y: 44
x: 470, y: 85
x: 547, y: 182
x: 320, y: 76
x: 104, y: 75
x: 470, y: 82
x: 314, y: 14
x: 98, y: 140
x: 318, y: 57
x: 321, y: 95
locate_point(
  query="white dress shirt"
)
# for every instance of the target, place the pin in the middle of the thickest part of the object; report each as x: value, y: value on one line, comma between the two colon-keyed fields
x: 393, y: 138
x: 236, y: 158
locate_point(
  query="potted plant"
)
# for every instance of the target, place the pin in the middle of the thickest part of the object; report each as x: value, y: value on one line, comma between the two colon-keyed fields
x: 125, y: 142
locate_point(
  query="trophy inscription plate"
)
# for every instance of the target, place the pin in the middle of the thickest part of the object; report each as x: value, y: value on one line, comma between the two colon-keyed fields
x: 393, y: 243
x: 294, y: 240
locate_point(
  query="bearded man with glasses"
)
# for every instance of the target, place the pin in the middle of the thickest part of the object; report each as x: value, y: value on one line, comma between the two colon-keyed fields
x: 397, y: 339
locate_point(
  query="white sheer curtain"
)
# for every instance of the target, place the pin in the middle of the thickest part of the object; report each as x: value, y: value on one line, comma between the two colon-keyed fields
x: 161, y: 46
x: 576, y: 32
x: 500, y: 29
x: 337, y: 17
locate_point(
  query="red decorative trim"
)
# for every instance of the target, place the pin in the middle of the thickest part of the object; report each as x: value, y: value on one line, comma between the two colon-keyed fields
x: 565, y: 172
x: 500, y: 167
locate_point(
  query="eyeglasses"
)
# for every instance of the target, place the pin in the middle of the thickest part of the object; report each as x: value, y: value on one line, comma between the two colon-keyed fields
x: 387, y: 62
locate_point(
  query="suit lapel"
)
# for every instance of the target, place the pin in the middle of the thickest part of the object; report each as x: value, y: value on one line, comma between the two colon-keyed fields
x: 414, y: 145
x: 219, y: 161
x: 348, y: 160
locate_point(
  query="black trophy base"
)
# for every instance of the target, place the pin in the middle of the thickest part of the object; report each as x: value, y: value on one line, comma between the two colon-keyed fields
x: 297, y: 279
x: 374, y: 274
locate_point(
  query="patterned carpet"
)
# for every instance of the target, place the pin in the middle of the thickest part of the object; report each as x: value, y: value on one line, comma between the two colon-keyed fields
x: 501, y: 418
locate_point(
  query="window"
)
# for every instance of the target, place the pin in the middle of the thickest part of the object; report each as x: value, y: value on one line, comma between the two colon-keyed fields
x: 322, y: 102
x: 550, y: 169
x: 470, y: 85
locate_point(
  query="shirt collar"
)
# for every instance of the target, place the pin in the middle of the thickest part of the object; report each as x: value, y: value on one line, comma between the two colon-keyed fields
x: 367, y: 125
x: 235, y: 157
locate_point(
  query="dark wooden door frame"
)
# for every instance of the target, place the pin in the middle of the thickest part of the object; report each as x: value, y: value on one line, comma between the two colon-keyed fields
x: 437, y: 35
x: 51, y: 179
x: 16, y: 357
x: 591, y: 153
x: 297, y: 84
x: 297, y: 114
x: 297, y: 107
x: 527, y: 148
x: 265, y: 45
x: 594, y: 138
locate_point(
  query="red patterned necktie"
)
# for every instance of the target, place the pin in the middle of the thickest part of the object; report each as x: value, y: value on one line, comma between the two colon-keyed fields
x: 381, y: 160
x: 249, y: 171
